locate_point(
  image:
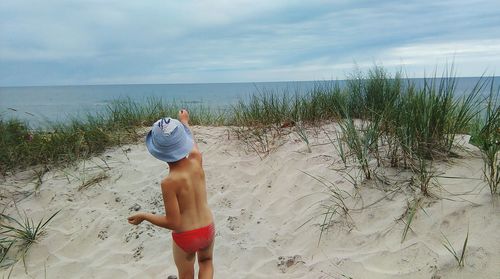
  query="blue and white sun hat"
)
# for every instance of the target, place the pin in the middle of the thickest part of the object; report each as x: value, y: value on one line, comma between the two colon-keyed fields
x: 169, y: 140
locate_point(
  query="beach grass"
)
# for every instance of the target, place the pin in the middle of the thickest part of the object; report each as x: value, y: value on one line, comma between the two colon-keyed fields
x: 361, y: 141
x: 82, y: 137
x: 334, y: 205
x: 459, y: 257
x: 21, y: 233
x: 486, y: 136
x: 276, y: 108
x: 409, y: 215
x: 424, y: 174
x: 5, y: 246
x: 339, y: 146
x: 402, y: 122
x: 302, y: 134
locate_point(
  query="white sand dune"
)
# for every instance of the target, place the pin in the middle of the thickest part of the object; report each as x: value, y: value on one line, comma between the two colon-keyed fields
x: 262, y: 208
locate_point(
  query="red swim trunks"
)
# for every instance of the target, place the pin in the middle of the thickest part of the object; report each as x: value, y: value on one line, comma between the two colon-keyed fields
x: 194, y: 240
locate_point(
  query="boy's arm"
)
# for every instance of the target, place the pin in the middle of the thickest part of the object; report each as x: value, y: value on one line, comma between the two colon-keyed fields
x: 184, y: 118
x: 195, y: 145
x: 195, y: 152
x: 172, y: 218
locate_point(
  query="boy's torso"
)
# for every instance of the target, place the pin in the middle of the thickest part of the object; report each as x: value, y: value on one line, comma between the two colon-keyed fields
x: 189, y: 181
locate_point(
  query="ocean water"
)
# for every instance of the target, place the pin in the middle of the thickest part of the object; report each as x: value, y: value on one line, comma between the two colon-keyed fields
x: 43, y: 104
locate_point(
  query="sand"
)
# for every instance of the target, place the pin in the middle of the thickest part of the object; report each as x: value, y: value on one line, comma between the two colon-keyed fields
x: 267, y: 211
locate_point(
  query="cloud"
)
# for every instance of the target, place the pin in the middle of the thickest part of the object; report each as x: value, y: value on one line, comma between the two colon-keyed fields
x: 80, y: 42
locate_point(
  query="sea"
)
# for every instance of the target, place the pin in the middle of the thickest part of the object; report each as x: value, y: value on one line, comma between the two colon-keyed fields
x: 39, y: 105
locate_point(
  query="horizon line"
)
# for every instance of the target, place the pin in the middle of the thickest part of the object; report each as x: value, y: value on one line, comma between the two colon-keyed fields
x: 231, y: 82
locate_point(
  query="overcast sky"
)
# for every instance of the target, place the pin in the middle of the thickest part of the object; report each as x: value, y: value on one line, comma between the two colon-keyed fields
x: 58, y: 42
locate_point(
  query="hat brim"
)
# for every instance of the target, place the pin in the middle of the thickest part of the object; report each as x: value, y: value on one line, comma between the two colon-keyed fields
x: 178, y: 151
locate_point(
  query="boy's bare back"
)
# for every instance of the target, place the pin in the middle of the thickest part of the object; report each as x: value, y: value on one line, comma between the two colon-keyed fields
x: 186, y: 180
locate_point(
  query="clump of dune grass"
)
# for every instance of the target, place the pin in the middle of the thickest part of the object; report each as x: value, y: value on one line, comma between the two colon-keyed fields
x: 486, y: 137
x: 302, y: 133
x: 424, y: 174
x: 339, y: 146
x: 274, y: 108
x: 262, y: 109
x: 13, y: 137
x: 261, y: 140
x: 87, y: 180
x: 96, y: 179
x: 409, y: 215
x: 459, y: 258
x: 362, y: 141
x: 429, y: 118
x: 21, y: 234
x: 334, y: 205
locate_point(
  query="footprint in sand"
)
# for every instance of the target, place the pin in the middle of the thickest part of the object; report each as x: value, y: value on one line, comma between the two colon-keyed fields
x: 284, y: 263
x: 102, y: 235
x: 225, y: 203
x: 232, y: 222
x: 138, y: 252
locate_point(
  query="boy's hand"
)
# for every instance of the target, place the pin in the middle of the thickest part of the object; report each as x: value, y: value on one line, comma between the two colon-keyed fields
x: 136, y: 219
x: 183, y: 116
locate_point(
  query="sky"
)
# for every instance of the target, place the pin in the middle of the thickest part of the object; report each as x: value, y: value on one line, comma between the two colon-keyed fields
x: 70, y: 42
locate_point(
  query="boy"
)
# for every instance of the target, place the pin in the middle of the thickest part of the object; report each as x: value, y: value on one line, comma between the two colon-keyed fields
x: 184, y: 196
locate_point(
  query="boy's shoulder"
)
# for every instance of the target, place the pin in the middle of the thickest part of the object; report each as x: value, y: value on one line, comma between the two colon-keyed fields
x: 195, y: 155
x: 169, y: 181
x: 169, y: 184
x: 174, y: 178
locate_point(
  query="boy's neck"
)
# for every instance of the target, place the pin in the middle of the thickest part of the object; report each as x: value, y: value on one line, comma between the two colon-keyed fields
x: 178, y: 164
